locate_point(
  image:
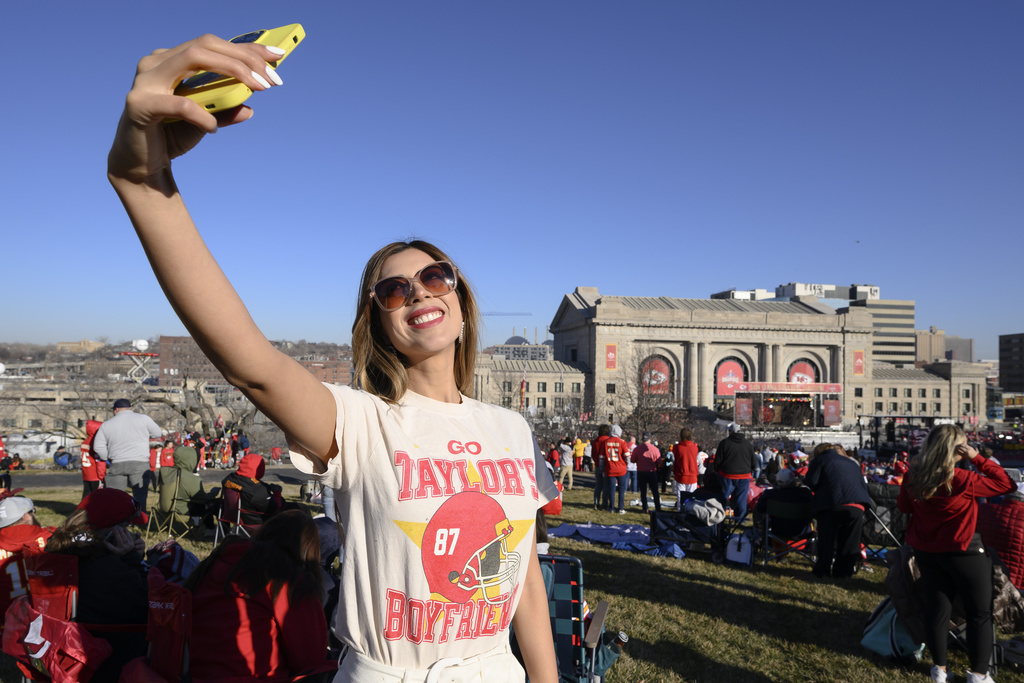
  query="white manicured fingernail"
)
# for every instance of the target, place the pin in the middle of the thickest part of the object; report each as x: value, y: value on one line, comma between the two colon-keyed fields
x: 273, y: 75
x: 275, y: 49
x: 259, y: 79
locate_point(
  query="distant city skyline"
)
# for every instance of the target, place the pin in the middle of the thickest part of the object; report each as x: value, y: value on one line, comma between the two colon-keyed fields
x: 646, y: 149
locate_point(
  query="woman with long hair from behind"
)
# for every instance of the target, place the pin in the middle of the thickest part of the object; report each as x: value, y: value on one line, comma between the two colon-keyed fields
x: 942, y: 502
x: 112, y: 588
x: 257, y: 606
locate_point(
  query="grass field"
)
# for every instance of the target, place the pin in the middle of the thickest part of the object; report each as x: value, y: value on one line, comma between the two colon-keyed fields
x: 690, y: 619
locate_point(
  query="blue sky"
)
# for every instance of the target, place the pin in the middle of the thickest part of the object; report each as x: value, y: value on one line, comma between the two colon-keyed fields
x: 646, y: 148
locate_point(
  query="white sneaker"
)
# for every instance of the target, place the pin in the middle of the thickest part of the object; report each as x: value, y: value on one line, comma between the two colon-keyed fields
x: 979, y: 678
x: 938, y: 675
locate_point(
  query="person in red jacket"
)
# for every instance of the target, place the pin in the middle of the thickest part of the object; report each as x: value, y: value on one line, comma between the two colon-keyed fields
x: 942, y: 502
x: 685, y: 469
x: 612, y: 452
x: 256, y: 613
x: 21, y: 536
x: 93, y: 470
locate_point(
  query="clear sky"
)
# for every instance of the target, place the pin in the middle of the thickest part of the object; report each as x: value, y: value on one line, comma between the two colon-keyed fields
x: 646, y: 148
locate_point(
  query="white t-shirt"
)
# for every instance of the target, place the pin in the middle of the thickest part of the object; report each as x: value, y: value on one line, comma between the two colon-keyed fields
x: 437, y: 505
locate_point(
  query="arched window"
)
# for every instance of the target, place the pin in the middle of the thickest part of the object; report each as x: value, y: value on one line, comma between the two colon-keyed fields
x: 656, y: 376
x: 728, y: 373
x: 803, y: 371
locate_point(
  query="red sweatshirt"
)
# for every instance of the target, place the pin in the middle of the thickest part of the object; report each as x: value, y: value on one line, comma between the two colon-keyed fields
x: 685, y: 468
x: 946, y: 522
x: 612, y: 451
x: 239, y: 638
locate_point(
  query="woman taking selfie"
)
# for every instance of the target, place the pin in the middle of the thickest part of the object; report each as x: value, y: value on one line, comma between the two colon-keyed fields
x: 436, y: 493
x: 941, y: 500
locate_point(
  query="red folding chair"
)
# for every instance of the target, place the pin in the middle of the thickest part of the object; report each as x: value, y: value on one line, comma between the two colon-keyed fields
x: 229, y: 518
x: 168, y: 631
x: 39, y: 629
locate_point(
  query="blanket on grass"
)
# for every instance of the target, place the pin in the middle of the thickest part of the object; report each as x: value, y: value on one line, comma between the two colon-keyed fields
x: 630, y: 537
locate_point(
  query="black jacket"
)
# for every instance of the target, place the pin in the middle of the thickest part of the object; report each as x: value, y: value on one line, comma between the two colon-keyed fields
x: 836, y: 480
x: 735, y: 455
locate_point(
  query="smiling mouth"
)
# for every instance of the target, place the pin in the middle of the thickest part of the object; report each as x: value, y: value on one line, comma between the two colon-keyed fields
x: 425, y: 318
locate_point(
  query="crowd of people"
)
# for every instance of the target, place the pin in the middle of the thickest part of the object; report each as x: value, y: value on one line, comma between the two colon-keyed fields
x: 408, y: 454
x: 259, y: 604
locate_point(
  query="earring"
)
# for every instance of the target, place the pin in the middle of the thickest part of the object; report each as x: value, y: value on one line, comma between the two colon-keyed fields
x: 462, y: 332
x: 392, y: 350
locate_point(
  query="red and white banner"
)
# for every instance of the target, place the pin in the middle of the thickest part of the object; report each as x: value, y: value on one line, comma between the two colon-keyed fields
x: 802, y: 372
x: 744, y: 411
x: 788, y: 388
x: 655, y: 376
x: 858, y: 362
x: 728, y: 378
x: 830, y: 409
x: 611, y: 357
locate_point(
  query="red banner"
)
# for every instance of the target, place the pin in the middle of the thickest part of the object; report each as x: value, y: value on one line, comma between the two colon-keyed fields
x: 744, y: 411
x: 802, y: 372
x: 611, y: 357
x: 858, y: 362
x: 655, y: 376
x: 831, y: 412
x: 788, y: 388
x: 729, y: 377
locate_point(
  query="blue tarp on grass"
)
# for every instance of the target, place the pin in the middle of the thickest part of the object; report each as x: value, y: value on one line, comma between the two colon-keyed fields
x: 632, y: 537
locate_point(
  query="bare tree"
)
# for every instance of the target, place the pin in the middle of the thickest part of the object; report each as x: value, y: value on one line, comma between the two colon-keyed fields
x: 645, y: 395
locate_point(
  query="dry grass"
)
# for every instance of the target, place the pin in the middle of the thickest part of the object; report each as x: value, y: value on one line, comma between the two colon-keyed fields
x: 692, y: 620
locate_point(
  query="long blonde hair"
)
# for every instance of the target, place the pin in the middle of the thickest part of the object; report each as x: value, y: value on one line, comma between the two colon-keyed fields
x: 933, y: 468
x: 379, y: 369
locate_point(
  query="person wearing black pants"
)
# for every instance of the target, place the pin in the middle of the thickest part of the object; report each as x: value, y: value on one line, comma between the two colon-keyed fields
x: 646, y: 456
x: 840, y: 496
x: 969, y: 575
x: 839, y: 532
x: 941, y: 499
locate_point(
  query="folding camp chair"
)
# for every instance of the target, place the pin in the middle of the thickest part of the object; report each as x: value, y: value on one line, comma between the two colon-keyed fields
x: 776, y: 544
x: 577, y: 644
x: 884, y: 523
x: 41, y: 632
x: 168, y: 630
x: 169, y: 521
x: 229, y: 517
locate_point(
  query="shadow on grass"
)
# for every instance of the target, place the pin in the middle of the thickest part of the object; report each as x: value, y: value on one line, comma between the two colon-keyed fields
x: 60, y: 507
x: 287, y: 479
x: 749, y: 606
x: 691, y: 664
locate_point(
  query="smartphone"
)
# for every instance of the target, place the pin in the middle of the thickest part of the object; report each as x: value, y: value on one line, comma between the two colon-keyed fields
x: 217, y: 92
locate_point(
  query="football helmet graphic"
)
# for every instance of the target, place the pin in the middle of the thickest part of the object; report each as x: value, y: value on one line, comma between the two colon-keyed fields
x: 465, y: 549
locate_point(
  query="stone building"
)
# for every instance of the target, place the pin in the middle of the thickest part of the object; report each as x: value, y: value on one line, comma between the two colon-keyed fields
x: 742, y: 355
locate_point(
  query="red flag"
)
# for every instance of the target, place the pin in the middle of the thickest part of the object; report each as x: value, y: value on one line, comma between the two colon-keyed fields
x: 522, y: 390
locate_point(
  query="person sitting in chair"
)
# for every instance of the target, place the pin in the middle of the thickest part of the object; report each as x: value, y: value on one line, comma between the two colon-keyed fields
x: 64, y: 460
x: 257, y: 499
x: 191, y: 500
x: 112, y: 587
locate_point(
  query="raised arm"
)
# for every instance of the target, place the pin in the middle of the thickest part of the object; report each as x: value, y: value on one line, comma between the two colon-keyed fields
x: 139, y: 168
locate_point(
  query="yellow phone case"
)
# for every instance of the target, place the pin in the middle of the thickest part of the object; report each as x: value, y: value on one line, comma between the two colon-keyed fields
x: 216, y: 92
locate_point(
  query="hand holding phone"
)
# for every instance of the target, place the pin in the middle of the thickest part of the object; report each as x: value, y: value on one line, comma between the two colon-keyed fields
x: 216, y: 92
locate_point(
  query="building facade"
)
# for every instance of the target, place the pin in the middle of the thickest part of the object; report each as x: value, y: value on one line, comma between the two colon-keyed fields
x: 720, y: 353
x: 1011, y: 362
x: 893, y: 335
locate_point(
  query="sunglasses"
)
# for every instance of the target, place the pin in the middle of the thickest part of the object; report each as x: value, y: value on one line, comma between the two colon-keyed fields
x: 392, y: 293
